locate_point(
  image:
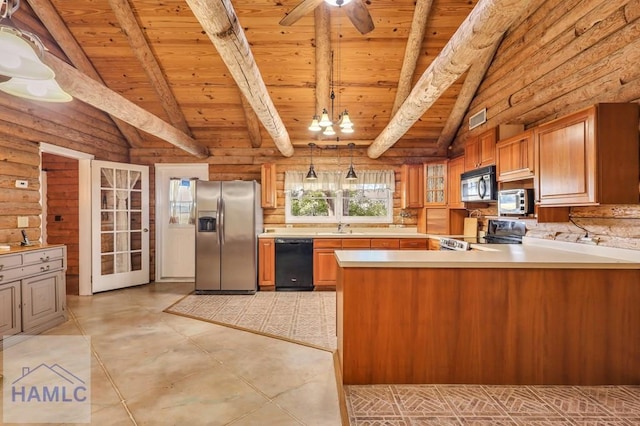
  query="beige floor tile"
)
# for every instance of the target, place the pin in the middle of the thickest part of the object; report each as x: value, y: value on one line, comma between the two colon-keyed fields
x: 211, y: 397
x: 267, y: 415
x: 314, y: 403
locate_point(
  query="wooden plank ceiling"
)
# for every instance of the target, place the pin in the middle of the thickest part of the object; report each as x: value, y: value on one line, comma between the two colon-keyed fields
x: 162, y: 58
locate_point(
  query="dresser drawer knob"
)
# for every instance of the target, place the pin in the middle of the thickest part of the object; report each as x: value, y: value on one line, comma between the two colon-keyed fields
x: 45, y: 268
x: 44, y: 259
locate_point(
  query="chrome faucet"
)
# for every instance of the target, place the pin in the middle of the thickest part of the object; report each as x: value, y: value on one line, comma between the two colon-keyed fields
x: 341, y: 227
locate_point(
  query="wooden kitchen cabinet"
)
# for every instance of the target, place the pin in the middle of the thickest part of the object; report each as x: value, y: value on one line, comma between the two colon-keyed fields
x: 32, y: 291
x: 413, y: 244
x: 325, y: 265
x: 515, y: 157
x: 435, y: 184
x: 385, y: 243
x: 269, y: 199
x: 266, y: 264
x: 412, y: 186
x: 454, y: 169
x: 480, y: 151
x: 589, y: 157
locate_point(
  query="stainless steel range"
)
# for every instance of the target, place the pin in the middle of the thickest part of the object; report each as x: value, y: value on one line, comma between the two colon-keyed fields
x: 505, y: 232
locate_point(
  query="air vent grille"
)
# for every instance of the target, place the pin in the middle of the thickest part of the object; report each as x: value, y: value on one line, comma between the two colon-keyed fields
x: 477, y: 119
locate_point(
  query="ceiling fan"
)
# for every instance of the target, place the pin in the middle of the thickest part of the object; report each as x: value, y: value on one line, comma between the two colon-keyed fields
x: 356, y: 10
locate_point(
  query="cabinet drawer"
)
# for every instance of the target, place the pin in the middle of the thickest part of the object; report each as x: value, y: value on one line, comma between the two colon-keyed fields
x: 40, y: 256
x: 327, y: 243
x: 356, y: 243
x: 413, y: 243
x: 385, y: 243
x: 10, y: 261
x: 53, y: 265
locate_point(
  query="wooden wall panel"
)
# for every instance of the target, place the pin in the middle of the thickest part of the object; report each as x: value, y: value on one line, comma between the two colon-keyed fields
x: 62, y: 209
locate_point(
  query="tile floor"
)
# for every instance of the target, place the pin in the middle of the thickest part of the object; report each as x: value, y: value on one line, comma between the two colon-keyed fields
x: 155, y: 368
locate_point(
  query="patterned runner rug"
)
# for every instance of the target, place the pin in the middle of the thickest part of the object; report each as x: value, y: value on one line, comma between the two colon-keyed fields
x: 301, y: 317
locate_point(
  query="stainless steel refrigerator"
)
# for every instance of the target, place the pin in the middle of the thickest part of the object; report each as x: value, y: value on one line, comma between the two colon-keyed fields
x: 229, y: 219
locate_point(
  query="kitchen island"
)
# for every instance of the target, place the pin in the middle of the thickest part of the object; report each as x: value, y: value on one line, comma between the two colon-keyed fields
x: 537, y: 313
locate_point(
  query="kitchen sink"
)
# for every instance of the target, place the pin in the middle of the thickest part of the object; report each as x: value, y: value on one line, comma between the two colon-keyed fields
x: 339, y: 233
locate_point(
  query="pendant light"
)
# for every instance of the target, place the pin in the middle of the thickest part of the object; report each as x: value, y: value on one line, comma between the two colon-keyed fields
x: 22, y: 53
x: 351, y: 174
x: 311, y: 174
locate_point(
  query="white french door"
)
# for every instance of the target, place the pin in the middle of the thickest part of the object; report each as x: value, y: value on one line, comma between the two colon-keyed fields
x: 120, y: 225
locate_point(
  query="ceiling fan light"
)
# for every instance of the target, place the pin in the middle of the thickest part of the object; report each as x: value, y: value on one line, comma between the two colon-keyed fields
x: 19, y: 58
x: 37, y: 90
x: 328, y: 131
x: 324, y: 120
x: 315, y: 127
x: 337, y: 2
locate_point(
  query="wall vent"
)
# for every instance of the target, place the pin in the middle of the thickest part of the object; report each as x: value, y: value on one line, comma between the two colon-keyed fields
x: 477, y: 119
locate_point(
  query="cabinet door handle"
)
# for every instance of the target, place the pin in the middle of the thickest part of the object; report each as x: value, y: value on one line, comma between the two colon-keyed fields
x: 1, y: 277
x: 45, y: 268
x: 1, y: 266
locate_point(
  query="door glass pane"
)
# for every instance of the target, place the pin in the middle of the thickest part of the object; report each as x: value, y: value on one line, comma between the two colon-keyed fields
x: 122, y: 179
x: 136, y: 241
x: 136, y: 261
x: 106, y: 178
x: 136, y: 182
x: 136, y: 200
x: 107, y: 242
x: 136, y: 221
x: 107, y: 264
x: 107, y: 221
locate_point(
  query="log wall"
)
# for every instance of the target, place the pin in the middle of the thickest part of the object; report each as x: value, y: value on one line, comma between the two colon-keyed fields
x: 567, y: 55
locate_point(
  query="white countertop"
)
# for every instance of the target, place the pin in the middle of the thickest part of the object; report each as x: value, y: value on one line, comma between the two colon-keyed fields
x: 533, y: 253
x: 349, y: 232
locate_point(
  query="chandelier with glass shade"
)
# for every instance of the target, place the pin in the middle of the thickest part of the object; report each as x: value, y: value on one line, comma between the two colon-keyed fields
x: 324, y: 122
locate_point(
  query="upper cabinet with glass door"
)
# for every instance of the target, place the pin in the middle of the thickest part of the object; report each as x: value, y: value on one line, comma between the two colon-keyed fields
x: 435, y: 183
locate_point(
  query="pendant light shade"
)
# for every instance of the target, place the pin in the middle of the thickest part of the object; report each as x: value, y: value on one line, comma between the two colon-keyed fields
x: 37, y: 90
x: 19, y: 59
x: 351, y: 174
x: 346, y: 122
x: 315, y: 126
x: 324, y: 119
x: 311, y: 174
x: 337, y: 2
x: 328, y: 131
x: 21, y: 54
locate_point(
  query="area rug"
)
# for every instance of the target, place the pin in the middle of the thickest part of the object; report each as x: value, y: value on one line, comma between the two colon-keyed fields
x: 301, y: 317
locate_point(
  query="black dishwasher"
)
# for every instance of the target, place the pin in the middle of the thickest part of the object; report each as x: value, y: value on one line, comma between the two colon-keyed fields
x: 294, y: 264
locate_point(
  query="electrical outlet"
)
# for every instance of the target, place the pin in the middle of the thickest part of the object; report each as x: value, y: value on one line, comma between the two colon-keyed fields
x: 23, y: 221
x: 22, y: 184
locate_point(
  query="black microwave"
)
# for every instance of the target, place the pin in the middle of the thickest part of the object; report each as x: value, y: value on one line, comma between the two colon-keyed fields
x: 479, y: 184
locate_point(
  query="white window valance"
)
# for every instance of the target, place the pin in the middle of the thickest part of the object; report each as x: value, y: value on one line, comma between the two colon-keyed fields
x: 333, y: 181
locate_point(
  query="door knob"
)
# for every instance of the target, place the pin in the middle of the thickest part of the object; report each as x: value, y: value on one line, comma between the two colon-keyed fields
x: 145, y: 230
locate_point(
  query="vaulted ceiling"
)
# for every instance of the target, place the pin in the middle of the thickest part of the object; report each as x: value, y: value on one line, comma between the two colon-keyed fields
x: 188, y: 73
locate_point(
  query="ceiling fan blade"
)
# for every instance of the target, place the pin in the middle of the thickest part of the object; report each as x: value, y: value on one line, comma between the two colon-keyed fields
x: 359, y: 15
x: 304, y: 7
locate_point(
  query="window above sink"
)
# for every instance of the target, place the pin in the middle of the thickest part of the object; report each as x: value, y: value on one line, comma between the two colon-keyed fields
x: 332, y: 199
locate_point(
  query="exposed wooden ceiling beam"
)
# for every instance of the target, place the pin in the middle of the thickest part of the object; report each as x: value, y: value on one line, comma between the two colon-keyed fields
x: 485, y: 24
x: 412, y: 52
x: 469, y: 88
x: 220, y: 22
x: 50, y: 18
x: 147, y: 59
x: 253, y: 124
x: 89, y: 91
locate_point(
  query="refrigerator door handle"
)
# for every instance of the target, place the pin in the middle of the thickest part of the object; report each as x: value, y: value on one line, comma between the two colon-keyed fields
x: 221, y: 213
x: 219, y: 220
